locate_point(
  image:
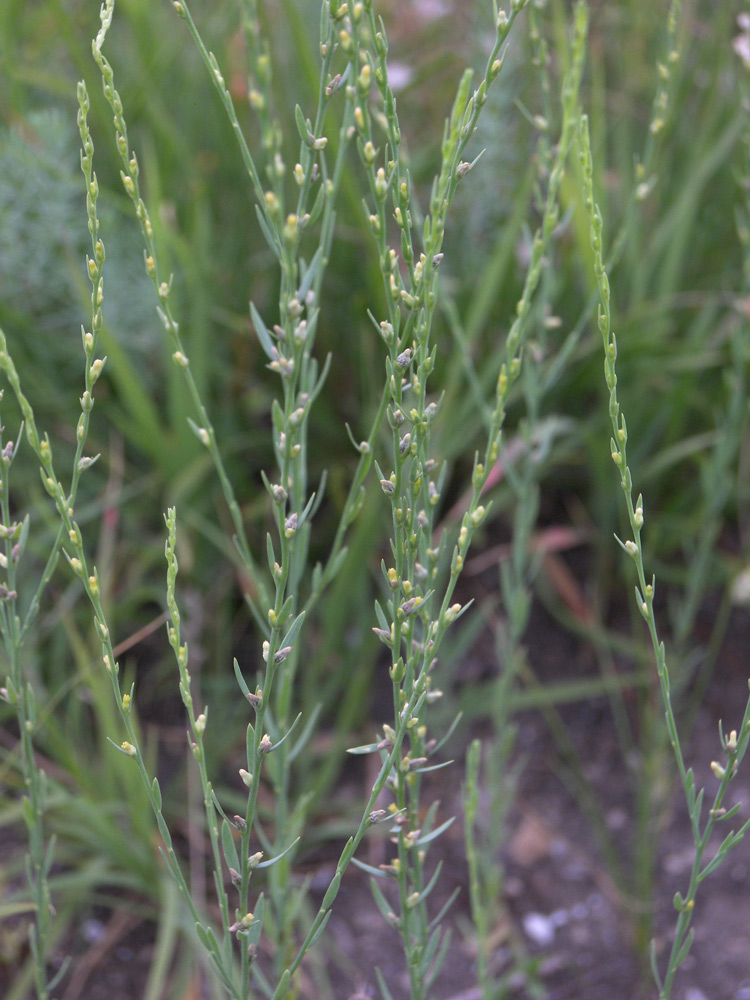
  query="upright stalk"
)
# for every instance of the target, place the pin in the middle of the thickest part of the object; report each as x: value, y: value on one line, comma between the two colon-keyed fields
x: 734, y: 744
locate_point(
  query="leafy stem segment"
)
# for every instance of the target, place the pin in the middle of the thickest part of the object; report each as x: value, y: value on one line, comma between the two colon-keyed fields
x: 410, y: 625
x: 14, y: 539
x: 735, y: 744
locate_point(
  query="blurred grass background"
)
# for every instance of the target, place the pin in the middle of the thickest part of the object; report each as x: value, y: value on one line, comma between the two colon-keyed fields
x: 681, y: 316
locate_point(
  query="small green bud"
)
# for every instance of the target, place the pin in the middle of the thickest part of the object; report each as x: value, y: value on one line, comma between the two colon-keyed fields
x: 451, y: 614
x: 290, y: 228
x: 381, y: 185
x: 478, y: 516
x: 364, y: 80
x: 272, y: 203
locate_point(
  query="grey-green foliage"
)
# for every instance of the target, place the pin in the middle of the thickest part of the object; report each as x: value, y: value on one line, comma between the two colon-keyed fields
x: 40, y: 207
x: 43, y: 240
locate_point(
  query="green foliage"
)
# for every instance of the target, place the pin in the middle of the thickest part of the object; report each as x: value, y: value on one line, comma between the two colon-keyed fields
x: 344, y: 298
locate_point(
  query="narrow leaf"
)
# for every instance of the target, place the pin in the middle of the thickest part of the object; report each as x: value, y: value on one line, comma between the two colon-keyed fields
x: 685, y: 949
x: 331, y: 892
x: 447, y: 736
x: 320, y: 929
x: 654, y: 965
x: 433, y: 767
x: 302, y: 126
x: 369, y: 869
x: 220, y: 810
x: 156, y: 793
x: 431, y: 884
x: 431, y: 949
x: 271, y: 238
x: 277, y: 415
x: 436, y: 920
x: 380, y: 901
x: 58, y: 976
x: 439, y: 959
x: 310, y: 273
x: 387, y: 995
x: 306, y: 733
x: 286, y: 735
x: 256, y: 928
x: 281, y: 989
x: 382, y: 620
x: 729, y: 813
x: 293, y: 632
x: 263, y: 335
x: 365, y: 748
x: 240, y: 679
x: 318, y: 204
x: 272, y: 861
x: 208, y: 938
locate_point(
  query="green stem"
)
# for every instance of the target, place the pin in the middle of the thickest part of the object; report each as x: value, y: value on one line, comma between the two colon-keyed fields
x: 734, y: 746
